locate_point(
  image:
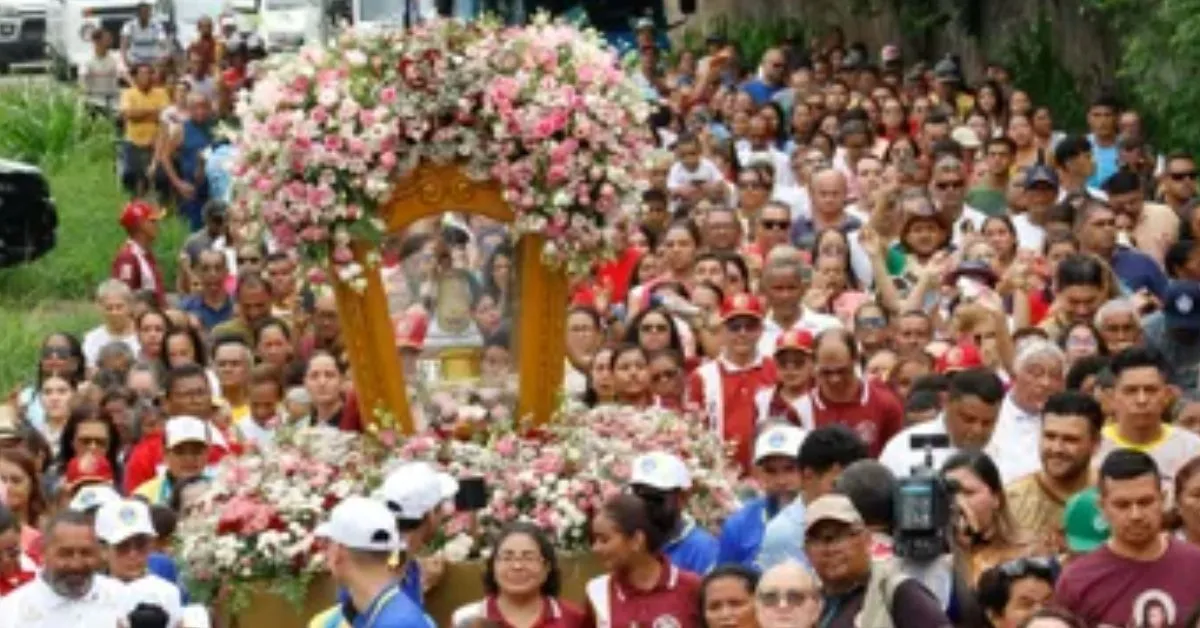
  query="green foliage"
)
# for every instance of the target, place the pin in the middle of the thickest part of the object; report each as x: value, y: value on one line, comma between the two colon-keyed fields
x: 1160, y: 58
x: 753, y: 37
x: 45, y: 122
x: 1032, y: 56
x: 40, y: 124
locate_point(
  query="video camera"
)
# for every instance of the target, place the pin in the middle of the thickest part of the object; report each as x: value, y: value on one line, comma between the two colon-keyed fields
x: 923, y: 506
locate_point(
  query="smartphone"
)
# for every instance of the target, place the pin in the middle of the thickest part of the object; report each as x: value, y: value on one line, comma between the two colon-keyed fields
x: 471, y: 495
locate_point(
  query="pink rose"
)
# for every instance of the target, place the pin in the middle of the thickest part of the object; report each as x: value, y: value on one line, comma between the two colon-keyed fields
x: 388, y: 95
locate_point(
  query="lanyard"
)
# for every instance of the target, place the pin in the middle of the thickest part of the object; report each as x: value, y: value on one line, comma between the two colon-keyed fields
x: 380, y: 602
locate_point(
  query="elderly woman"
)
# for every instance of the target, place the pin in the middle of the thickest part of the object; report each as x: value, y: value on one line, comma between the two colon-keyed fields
x: 788, y: 597
x: 1119, y: 324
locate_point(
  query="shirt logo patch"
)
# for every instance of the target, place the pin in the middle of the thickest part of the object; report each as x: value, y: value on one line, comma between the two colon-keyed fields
x: 1184, y: 304
x: 666, y: 621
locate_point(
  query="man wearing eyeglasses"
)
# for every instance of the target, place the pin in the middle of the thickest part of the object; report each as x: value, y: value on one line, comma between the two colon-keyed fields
x: 857, y: 590
x: 787, y: 596
x: 949, y: 190
x: 212, y: 305
x: 127, y: 535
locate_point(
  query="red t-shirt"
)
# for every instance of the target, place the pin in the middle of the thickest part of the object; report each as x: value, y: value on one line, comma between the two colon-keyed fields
x: 674, y: 601
x: 1104, y: 589
x: 734, y: 414
x: 555, y: 614
x: 147, y: 455
x: 876, y: 415
x: 13, y: 581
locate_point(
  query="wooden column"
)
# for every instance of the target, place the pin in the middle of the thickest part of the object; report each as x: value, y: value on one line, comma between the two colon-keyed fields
x: 541, y: 340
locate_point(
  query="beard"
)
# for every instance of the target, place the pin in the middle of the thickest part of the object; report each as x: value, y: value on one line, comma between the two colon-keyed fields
x: 72, y: 584
x: 1066, y: 469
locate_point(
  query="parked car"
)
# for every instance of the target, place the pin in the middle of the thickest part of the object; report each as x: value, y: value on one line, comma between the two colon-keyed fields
x: 28, y: 219
x: 69, y: 28
x: 22, y: 32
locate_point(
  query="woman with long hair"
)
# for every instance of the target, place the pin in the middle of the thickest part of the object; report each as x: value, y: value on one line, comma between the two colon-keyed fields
x: 24, y: 497
x: 89, y: 431
x: 61, y: 354
x: 985, y: 531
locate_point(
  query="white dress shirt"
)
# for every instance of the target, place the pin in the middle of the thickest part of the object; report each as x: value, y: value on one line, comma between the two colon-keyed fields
x: 1016, y: 442
x: 36, y: 605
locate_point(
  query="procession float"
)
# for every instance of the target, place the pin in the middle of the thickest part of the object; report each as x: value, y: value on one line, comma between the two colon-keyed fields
x: 341, y: 148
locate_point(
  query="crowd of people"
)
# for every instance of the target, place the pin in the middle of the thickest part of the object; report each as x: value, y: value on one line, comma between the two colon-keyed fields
x: 840, y: 259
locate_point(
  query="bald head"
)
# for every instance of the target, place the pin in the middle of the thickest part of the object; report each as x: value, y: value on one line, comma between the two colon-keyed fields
x: 774, y: 66
x: 828, y: 193
x: 782, y: 583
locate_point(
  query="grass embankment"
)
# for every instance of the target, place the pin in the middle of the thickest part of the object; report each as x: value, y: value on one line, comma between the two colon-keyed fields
x: 45, y: 124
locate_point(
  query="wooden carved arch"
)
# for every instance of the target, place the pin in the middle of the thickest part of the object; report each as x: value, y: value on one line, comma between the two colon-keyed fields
x: 540, y: 335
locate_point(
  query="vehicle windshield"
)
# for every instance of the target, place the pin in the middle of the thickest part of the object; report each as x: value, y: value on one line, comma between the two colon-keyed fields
x: 285, y: 5
x: 190, y: 11
x: 381, y: 10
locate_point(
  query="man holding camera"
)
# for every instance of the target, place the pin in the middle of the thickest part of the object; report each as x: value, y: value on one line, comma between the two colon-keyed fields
x: 860, y: 591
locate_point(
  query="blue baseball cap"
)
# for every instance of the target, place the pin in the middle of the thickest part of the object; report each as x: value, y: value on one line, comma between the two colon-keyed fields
x: 1181, y: 305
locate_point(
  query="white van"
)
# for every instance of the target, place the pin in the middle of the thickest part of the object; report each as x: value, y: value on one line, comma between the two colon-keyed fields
x: 69, y: 28
x: 22, y: 32
x: 289, y: 24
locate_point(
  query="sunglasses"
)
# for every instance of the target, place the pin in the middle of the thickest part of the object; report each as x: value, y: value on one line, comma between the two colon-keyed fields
x: 56, y: 352
x: 787, y: 598
x: 1030, y: 565
x: 949, y: 185
x: 93, y: 443
x: 775, y: 225
x: 740, y: 325
x: 651, y: 328
x: 872, y: 322
x: 1180, y: 176
x: 249, y: 260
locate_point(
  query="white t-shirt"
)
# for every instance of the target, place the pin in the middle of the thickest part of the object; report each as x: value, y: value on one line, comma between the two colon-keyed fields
x: 1029, y: 235
x: 151, y: 589
x: 262, y: 437
x: 99, y: 80
x: 810, y: 321
x: 147, y: 44
x: 706, y: 172
x: 36, y: 605
x: 99, y: 337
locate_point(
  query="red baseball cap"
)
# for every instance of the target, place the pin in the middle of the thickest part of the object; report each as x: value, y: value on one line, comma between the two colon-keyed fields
x: 137, y: 212
x: 959, y: 357
x: 741, y: 305
x: 411, y: 328
x: 88, y: 468
x: 795, y: 340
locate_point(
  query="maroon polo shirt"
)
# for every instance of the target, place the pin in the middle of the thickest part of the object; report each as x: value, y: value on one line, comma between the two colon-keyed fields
x: 674, y: 601
x: 555, y: 614
x: 875, y: 414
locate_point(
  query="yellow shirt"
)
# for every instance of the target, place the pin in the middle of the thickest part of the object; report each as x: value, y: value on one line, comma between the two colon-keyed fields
x: 142, y: 133
x: 154, y: 490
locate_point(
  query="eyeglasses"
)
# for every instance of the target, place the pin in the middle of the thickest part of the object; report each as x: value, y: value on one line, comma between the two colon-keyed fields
x: 751, y: 185
x: 775, y: 225
x: 742, y: 325
x: 1180, y: 176
x: 949, y: 185
x: 871, y: 322
x: 529, y: 560
x: 787, y: 598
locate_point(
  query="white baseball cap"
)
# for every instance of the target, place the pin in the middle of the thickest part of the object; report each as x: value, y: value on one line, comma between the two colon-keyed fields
x: 118, y: 521
x: 660, y: 470
x: 416, y: 488
x: 362, y: 524
x: 93, y: 496
x: 186, y: 429
x: 779, y: 440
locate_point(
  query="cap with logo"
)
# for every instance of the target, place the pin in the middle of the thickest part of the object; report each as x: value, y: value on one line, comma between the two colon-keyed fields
x: 1040, y: 174
x: 88, y: 468
x: 661, y: 471
x: 1084, y: 524
x: 959, y: 357
x: 742, y: 305
x: 121, y: 520
x: 362, y: 524
x: 966, y: 137
x: 137, y: 212
x: 186, y: 429
x: 93, y: 496
x: 1181, y: 305
x: 831, y: 507
x: 795, y: 340
x: 779, y: 440
x: 415, y: 489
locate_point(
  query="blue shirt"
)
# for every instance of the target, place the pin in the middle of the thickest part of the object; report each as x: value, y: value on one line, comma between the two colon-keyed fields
x: 410, y: 585
x: 783, y: 538
x: 1136, y: 270
x: 742, y: 534
x: 207, y: 316
x: 1105, y: 158
x: 695, y: 550
x: 759, y: 91
x: 392, y: 608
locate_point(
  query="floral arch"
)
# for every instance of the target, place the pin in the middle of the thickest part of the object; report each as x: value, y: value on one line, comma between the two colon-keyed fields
x: 536, y: 126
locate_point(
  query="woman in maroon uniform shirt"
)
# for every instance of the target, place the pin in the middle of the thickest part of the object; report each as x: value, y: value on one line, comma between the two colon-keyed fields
x: 522, y: 582
x: 641, y: 588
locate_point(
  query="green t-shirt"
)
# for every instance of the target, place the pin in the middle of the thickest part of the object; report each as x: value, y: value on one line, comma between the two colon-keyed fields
x: 988, y: 200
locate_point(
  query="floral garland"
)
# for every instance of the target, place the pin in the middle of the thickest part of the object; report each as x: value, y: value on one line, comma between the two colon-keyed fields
x: 544, y: 111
